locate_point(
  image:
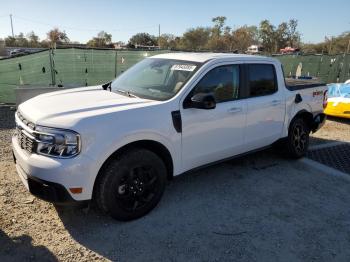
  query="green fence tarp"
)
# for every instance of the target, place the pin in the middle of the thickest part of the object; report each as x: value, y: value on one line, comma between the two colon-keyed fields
x: 31, y: 69
x: 328, y: 68
x: 71, y: 67
x: 75, y: 67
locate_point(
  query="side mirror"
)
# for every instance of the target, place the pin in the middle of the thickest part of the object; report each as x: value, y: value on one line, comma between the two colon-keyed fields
x: 203, y: 101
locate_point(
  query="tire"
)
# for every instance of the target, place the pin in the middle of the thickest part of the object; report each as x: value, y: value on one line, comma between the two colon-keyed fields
x: 297, y: 142
x: 131, y: 185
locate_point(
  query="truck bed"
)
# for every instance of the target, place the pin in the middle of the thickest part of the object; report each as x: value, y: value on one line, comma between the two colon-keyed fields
x: 293, y: 84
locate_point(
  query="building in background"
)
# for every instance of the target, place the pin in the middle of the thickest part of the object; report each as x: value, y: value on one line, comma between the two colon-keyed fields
x: 120, y: 45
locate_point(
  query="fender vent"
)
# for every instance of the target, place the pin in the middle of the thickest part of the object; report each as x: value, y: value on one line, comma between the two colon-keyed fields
x: 177, y: 122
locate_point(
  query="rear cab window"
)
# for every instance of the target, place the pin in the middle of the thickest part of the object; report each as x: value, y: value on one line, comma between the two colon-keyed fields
x: 261, y: 79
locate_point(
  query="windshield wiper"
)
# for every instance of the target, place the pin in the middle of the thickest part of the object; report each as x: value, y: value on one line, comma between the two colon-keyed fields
x: 127, y: 93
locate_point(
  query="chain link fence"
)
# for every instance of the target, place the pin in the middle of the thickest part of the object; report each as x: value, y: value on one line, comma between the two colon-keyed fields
x: 75, y: 67
x: 71, y: 67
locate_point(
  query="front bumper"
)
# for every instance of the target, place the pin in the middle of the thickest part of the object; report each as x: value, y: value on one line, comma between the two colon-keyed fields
x: 50, y: 179
x: 45, y: 190
x: 339, y: 109
x: 318, y: 122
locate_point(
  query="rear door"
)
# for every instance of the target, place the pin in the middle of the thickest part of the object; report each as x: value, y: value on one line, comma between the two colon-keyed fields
x: 211, y: 135
x: 266, y: 105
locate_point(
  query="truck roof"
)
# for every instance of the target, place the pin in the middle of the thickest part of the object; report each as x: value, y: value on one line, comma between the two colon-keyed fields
x: 203, y: 57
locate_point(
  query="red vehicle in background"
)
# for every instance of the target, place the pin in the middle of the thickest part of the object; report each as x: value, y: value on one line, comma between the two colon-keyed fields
x: 289, y: 50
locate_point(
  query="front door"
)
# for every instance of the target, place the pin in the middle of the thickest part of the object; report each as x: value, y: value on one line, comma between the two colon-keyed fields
x: 214, y: 134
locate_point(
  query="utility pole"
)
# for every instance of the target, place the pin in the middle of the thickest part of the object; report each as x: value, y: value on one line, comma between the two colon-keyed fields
x: 13, y: 35
x: 330, y: 46
x: 159, y: 36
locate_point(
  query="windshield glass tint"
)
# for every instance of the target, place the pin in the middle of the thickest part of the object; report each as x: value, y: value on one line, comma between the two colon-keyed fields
x: 345, y: 90
x: 155, y: 78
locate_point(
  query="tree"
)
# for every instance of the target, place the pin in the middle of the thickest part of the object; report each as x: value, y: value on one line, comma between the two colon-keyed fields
x: 217, y: 41
x: 281, y: 36
x: 10, y: 41
x: 309, y: 48
x: 331, y: 45
x: 254, y: 33
x: 219, y: 23
x: 45, y: 44
x: 55, y: 36
x: 17, y: 41
x: 267, y: 35
x: 243, y: 37
x: 33, y: 39
x: 143, y: 39
x: 195, y: 39
x: 21, y: 40
x: 167, y: 41
x: 339, y: 44
x: 107, y: 38
x: 102, y: 39
x: 228, y: 39
x: 293, y: 35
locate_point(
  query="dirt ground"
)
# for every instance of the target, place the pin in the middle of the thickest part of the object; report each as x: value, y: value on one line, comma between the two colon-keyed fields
x: 335, y: 129
x: 262, y: 207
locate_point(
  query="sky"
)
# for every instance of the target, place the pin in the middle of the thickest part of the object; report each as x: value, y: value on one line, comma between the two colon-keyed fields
x: 84, y: 19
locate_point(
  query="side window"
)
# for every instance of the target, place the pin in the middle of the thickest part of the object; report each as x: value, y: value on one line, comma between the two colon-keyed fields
x: 261, y: 79
x: 222, y: 82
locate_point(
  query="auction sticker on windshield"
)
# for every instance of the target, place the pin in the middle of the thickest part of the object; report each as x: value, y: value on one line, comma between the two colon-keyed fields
x: 183, y: 67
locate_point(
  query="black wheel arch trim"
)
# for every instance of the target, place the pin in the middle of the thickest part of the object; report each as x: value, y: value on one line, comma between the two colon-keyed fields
x: 314, y: 122
x: 156, y: 147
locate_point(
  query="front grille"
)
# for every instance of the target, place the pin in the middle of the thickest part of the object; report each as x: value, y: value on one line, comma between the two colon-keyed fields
x: 25, y: 121
x: 25, y: 142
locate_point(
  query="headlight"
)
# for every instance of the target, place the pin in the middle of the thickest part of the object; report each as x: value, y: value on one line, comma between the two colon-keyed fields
x: 59, y: 143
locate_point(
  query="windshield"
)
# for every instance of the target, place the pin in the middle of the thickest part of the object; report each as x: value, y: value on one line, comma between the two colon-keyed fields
x: 345, y: 90
x: 155, y: 78
x: 339, y: 90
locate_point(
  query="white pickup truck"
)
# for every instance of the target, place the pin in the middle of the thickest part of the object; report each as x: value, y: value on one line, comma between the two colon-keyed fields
x: 119, y: 143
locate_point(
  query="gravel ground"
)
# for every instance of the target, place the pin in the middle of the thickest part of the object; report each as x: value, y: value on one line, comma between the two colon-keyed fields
x: 258, y: 208
x: 335, y: 129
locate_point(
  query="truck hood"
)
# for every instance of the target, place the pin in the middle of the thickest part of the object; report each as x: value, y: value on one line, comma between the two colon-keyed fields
x: 63, y: 108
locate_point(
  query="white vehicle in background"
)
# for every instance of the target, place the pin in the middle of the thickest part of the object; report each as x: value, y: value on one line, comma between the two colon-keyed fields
x: 119, y: 143
x: 19, y: 52
x: 254, y: 50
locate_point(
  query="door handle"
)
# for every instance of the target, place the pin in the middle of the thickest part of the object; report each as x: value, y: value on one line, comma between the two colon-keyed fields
x: 276, y: 102
x: 235, y: 110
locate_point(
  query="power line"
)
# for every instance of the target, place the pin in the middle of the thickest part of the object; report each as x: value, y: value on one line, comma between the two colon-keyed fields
x: 51, y: 25
x: 84, y: 29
